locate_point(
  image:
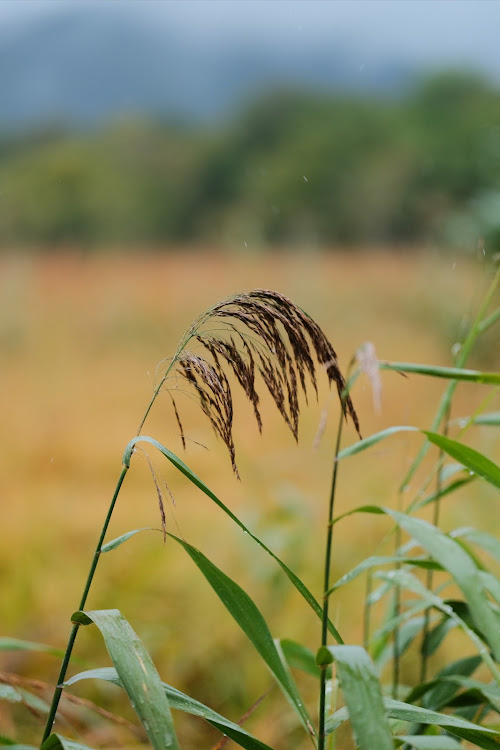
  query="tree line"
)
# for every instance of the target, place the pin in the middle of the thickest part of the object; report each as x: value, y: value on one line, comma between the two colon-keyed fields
x: 293, y: 169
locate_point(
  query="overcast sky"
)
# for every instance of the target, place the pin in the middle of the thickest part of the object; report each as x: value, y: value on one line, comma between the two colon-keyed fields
x: 426, y: 32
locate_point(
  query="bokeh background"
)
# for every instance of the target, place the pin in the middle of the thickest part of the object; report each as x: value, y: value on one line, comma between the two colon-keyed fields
x: 154, y: 158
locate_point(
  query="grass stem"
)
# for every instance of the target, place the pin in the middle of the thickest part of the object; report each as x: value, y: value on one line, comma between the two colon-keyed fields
x: 326, y: 583
x: 74, y: 631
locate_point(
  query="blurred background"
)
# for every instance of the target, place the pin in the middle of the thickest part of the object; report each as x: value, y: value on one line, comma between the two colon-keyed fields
x: 156, y: 157
x: 248, y: 124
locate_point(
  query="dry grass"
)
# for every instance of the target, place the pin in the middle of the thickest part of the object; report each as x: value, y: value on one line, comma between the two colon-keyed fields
x: 77, y: 338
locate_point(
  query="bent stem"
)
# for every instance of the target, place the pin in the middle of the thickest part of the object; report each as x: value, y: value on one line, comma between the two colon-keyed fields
x: 326, y: 584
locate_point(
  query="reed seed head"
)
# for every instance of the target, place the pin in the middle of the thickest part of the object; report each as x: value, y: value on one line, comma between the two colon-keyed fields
x: 263, y: 333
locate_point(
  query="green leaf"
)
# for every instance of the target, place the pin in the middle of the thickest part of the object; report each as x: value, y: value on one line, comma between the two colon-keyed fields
x: 449, y: 373
x: 470, y: 458
x: 407, y: 633
x: 493, y: 419
x: 481, y: 736
x: 181, y: 466
x: 137, y: 673
x: 10, y: 693
x: 406, y: 580
x: 14, y: 644
x: 434, y: 638
x: 489, y: 419
x: 114, y: 543
x: 452, y: 487
x: 20, y: 695
x: 58, y: 742
x: 437, y: 693
x: 362, y: 445
x: 363, y: 697
x: 430, y: 742
x: 482, y: 539
x: 182, y: 702
x: 378, y: 560
x: 460, y: 565
x: 300, y: 657
x: 249, y: 618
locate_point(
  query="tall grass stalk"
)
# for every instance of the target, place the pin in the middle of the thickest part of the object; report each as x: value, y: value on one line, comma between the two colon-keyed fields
x: 326, y: 582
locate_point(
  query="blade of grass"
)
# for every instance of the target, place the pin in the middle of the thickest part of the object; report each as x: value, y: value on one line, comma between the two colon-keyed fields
x: 15, y: 644
x: 426, y: 742
x: 182, y: 702
x: 481, y: 736
x: 246, y: 614
x: 300, y: 657
x: 448, y: 373
x: 137, y: 673
x: 376, y: 561
x: 363, y: 696
x: 114, y: 543
x: 460, y: 565
x: 482, y: 539
x: 472, y: 459
x: 181, y: 466
x: 58, y: 742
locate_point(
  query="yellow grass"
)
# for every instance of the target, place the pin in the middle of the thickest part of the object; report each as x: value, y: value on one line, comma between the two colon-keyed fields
x: 80, y: 339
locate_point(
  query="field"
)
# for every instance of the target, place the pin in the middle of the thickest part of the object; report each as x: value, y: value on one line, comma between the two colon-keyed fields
x: 80, y: 339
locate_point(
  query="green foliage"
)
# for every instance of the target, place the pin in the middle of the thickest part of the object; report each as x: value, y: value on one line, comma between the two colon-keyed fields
x: 293, y: 168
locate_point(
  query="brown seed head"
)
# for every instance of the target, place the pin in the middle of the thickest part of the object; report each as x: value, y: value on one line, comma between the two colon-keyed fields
x: 267, y: 333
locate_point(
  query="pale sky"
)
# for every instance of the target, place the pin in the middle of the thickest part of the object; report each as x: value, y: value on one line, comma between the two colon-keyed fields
x: 426, y: 32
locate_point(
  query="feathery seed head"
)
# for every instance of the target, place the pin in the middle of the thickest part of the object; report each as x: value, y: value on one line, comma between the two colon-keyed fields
x: 264, y: 332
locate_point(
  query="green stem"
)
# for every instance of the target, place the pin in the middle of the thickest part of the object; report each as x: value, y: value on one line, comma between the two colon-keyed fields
x: 367, y: 610
x: 430, y: 573
x: 396, y: 658
x: 326, y: 583
x: 71, y: 642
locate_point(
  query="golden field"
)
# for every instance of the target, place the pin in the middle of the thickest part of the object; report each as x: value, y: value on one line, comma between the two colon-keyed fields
x: 80, y: 338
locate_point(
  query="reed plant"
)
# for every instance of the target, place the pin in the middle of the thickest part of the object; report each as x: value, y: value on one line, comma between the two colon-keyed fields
x: 261, y: 341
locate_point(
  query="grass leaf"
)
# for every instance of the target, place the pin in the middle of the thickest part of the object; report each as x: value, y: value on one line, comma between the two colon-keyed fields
x: 15, y: 644
x: 363, y: 696
x: 377, y: 560
x: 181, y: 466
x: 246, y: 614
x: 58, y: 742
x: 137, y: 673
x: 367, y: 442
x: 114, y: 543
x: 448, y: 373
x: 461, y: 566
x: 481, y: 736
x: 429, y: 742
x: 482, y: 539
x: 470, y: 458
x: 182, y: 702
x: 300, y: 657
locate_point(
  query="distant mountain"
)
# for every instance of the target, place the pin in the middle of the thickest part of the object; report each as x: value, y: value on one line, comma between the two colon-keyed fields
x: 84, y: 65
